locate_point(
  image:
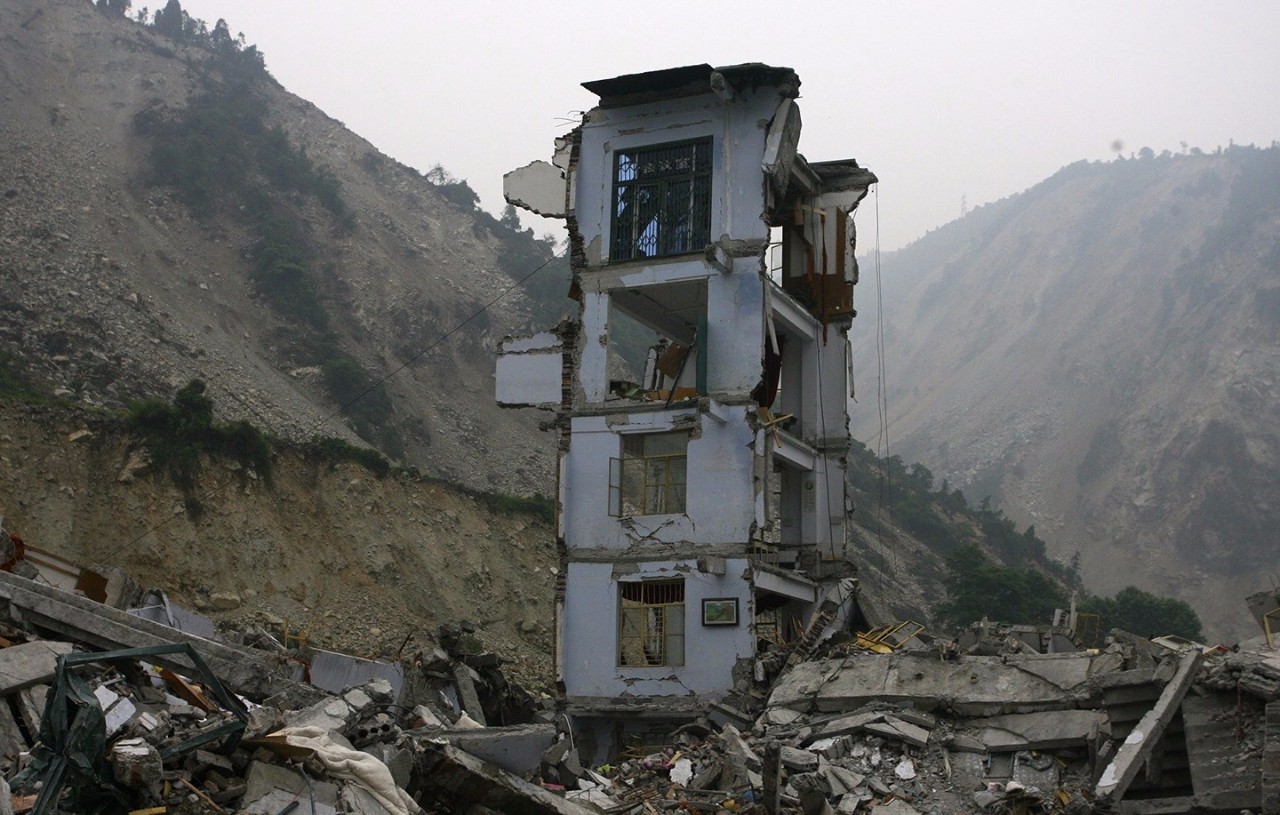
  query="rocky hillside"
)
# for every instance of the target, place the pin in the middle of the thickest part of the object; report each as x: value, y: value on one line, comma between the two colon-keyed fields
x: 1099, y: 355
x: 292, y: 270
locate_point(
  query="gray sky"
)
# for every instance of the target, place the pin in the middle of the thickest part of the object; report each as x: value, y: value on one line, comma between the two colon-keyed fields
x: 941, y: 100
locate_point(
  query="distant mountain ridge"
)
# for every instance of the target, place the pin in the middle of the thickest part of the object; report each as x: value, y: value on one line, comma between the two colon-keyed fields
x: 1099, y: 354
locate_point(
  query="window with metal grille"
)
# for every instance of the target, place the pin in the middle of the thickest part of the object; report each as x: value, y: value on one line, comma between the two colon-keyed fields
x: 649, y: 478
x: 651, y: 623
x: 661, y: 200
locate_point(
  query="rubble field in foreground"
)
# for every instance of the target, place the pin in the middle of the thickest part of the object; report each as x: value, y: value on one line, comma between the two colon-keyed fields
x: 113, y: 712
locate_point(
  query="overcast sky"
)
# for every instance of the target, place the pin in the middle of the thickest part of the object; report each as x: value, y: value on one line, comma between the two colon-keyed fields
x: 943, y: 101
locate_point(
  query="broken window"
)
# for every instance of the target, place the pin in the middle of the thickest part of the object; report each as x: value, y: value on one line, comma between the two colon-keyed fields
x: 661, y: 200
x: 651, y: 623
x: 650, y: 477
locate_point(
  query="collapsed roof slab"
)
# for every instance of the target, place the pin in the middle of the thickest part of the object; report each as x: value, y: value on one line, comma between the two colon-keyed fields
x: 1048, y: 730
x: 30, y: 663
x: 974, y: 686
x: 1138, y: 745
x: 247, y: 672
x: 465, y: 779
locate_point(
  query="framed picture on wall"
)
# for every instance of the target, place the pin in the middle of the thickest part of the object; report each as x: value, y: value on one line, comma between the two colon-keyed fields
x: 720, y: 611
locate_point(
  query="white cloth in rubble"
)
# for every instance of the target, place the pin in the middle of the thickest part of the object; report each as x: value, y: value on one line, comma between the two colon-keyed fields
x: 354, y: 766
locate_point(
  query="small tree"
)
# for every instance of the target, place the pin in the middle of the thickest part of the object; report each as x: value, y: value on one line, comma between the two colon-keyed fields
x: 169, y: 21
x: 1147, y: 615
x: 510, y: 218
x: 114, y: 8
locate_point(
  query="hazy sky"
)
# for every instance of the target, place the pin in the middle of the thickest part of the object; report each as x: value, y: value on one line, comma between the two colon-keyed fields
x: 978, y: 100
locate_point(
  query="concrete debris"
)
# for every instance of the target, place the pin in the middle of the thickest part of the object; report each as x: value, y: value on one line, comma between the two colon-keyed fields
x: 162, y: 723
x: 159, y: 722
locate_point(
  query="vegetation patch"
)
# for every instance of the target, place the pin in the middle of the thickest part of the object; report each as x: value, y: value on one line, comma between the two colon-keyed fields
x: 177, y: 435
x: 220, y: 156
x: 16, y: 384
x: 334, y: 450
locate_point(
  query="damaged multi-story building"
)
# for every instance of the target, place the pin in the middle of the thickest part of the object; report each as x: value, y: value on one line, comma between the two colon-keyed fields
x: 702, y: 500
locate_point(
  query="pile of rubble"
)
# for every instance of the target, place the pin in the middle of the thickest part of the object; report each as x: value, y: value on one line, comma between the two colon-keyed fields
x: 164, y: 721
x: 107, y: 710
x: 1136, y: 727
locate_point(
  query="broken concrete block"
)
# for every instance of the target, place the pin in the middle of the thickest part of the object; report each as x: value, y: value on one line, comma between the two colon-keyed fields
x: 357, y: 699
x: 842, y: 777
x: 812, y: 790
x: 398, y: 760
x: 964, y: 743
x: 468, y: 780
x: 779, y: 717
x: 135, y: 763
x: 329, y: 715
x: 30, y: 663
x: 737, y: 749
x: 464, y: 681
x: 518, y: 749
x: 1050, y: 730
x: 381, y: 690
x: 801, y: 761
x: 893, y: 728
x: 428, y: 718
x: 1137, y: 747
x: 117, y: 709
x: 906, y: 769
x: 271, y: 787
x: 201, y: 761
x: 336, y: 672
x: 845, y: 724
x: 831, y: 748
x: 974, y: 686
x: 708, y: 774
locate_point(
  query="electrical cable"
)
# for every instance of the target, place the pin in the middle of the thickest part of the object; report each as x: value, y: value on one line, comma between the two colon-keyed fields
x: 885, y: 498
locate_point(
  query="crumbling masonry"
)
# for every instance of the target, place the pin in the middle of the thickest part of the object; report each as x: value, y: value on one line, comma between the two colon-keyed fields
x: 702, y: 498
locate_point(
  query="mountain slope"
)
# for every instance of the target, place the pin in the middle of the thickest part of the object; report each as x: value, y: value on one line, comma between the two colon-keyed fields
x: 1099, y: 355
x: 113, y: 288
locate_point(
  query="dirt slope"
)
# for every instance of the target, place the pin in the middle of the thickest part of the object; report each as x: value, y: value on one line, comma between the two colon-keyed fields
x: 361, y: 562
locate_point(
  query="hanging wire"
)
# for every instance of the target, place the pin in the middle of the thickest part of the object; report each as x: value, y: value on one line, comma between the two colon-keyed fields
x: 885, y: 498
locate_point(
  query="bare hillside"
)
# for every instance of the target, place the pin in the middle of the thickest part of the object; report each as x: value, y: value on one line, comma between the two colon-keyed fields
x: 112, y: 288
x: 1099, y: 355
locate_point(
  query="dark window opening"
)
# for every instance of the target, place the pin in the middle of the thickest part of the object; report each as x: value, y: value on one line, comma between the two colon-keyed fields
x: 661, y: 200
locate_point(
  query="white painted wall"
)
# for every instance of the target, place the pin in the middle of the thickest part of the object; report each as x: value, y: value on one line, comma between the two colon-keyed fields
x: 738, y: 133
x: 719, y: 503
x: 591, y: 633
